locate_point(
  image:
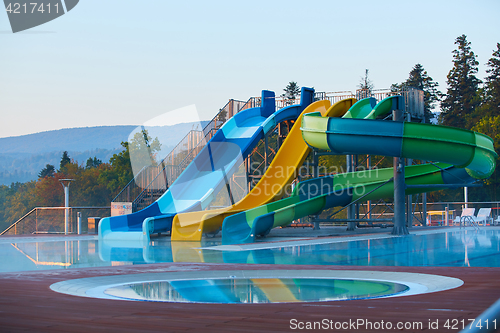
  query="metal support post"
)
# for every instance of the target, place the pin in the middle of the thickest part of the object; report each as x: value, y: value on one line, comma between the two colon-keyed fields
x: 79, y: 222
x: 65, y: 183
x: 315, y: 175
x: 265, y: 152
x: 424, y: 209
x: 399, y: 189
x: 351, y: 210
x: 446, y: 215
x: 369, y: 202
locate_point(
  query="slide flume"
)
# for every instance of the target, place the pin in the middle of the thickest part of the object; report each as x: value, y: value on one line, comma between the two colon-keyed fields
x: 200, y: 182
x: 281, y: 172
x: 467, y: 156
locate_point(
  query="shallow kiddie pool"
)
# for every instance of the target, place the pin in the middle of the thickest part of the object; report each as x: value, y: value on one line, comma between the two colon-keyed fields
x: 256, y: 286
x: 259, y: 290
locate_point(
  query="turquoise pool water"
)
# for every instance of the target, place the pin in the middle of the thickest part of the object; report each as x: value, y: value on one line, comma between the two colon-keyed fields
x: 256, y: 290
x: 444, y: 247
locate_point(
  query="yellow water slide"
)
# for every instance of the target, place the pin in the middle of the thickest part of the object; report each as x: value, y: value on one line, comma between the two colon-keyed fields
x: 280, y: 173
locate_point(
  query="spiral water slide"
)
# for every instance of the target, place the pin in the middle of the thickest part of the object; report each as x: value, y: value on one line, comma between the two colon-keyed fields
x: 462, y: 156
x: 200, y: 182
x: 280, y: 173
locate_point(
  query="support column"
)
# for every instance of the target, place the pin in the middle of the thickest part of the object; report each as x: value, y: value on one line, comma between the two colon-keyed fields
x: 351, y: 211
x: 315, y: 175
x: 409, y: 213
x: 265, y: 152
x: 424, y: 209
x: 399, y: 188
x: 369, y: 202
x: 65, y: 183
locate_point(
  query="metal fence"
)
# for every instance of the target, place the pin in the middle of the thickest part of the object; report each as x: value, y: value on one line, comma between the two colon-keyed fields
x: 434, y: 214
x: 50, y: 220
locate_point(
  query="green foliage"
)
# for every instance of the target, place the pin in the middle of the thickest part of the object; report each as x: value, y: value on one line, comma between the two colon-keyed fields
x: 92, y: 163
x: 48, y: 171
x: 222, y: 117
x: 64, y: 161
x: 492, y: 85
x: 462, y: 98
x: 143, y: 150
x: 365, y: 83
x: 120, y: 172
x: 291, y: 92
x: 420, y: 79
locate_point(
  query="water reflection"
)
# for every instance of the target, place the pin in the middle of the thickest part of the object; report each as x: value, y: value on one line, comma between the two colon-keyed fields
x: 454, y: 248
x: 266, y: 290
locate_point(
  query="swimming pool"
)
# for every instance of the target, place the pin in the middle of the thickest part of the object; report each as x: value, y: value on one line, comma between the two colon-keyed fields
x: 426, y: 247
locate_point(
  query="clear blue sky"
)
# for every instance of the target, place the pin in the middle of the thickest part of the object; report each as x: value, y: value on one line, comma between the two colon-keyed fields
x: 114, y: 62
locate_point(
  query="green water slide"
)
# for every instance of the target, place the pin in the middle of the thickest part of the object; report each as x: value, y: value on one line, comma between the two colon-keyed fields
x: 462, y: 155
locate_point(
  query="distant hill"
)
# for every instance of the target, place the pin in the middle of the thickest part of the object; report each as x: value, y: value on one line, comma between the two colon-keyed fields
x: 22, y: 157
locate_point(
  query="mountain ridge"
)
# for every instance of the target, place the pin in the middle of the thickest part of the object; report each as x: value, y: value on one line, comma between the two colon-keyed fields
x: 22, y: 157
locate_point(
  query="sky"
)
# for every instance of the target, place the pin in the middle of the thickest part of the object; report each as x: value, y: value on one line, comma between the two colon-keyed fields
x: 124, y: 62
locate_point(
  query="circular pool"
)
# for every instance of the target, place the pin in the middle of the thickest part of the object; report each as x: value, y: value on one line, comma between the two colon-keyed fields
x: 256, y: 286
x: 258, y: 290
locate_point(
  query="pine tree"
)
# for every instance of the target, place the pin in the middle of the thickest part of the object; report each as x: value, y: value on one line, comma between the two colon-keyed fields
x: 461, y: 99
x: 92, y: 163
x: 492, y: 84
x: 365, y: 86
x: 48, y: 171
x: 421, y: 80
x: 65, y: 160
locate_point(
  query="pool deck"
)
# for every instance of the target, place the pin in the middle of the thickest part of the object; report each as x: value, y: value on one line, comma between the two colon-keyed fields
x: 27, y: 304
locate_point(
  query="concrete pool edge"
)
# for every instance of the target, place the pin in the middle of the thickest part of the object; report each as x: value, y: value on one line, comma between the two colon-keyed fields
x: 419, y: 283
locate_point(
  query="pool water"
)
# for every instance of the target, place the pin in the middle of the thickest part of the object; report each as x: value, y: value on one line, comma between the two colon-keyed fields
x: 258, y: 290
x: 443, y: 247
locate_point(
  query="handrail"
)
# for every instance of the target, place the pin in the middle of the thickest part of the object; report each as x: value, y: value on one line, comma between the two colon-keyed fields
x: 209, y: 130
x: 470, y: 220
x: 209, y: 127
x: 47, y: 208
x: 141, y: 195
x: 15, y: 223
x: 128, y: 184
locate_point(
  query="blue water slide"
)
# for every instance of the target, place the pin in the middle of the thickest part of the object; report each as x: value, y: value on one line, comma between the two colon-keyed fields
x: 208, y: 173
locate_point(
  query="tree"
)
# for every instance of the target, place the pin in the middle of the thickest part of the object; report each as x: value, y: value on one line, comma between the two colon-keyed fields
x: 120, y: 173
x: 64, y: 161
x: 143, y: 149
x: 48, y: 171
x: 365, y: 86
x: 419, y: 79
x: 461, y: 99
x: 92, y: 163
x: 490, y: 125
x: 492, y: 84
x: 291, y: 92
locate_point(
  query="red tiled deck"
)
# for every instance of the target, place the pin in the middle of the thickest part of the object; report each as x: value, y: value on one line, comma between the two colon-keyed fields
x: 28, y: 305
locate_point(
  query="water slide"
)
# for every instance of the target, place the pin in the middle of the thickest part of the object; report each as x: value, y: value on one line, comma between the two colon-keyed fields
x: 280, y: 173
x: 463, y: 156
x: 209, y: 172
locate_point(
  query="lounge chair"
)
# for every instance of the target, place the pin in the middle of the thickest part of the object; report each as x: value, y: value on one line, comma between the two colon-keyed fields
x: 497, y: 220
x: 483, y: 216
x: 466, y: 213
